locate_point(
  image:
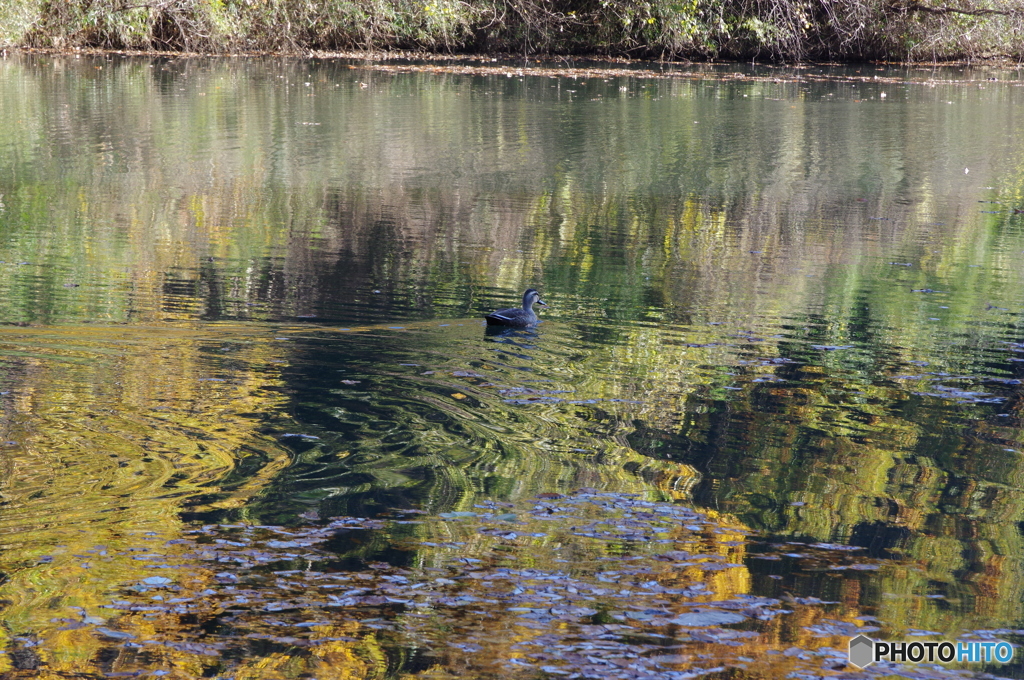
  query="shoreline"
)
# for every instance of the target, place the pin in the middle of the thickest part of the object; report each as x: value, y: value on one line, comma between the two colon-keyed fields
x: 541, y: 63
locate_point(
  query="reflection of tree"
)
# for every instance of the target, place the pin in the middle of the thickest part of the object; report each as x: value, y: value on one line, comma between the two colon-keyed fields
x: 111, y: 432
x: 426, y: 191
x: 219, y: 190
x: 867, y: 465
x: 439, y: 434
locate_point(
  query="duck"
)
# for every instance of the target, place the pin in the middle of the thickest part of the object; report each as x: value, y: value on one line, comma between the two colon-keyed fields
x: 515, y: 316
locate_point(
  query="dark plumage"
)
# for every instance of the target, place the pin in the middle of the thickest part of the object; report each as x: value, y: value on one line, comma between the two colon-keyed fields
x: 515, y: 316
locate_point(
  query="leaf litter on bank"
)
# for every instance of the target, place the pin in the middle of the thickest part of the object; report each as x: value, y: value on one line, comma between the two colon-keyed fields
x: 584, y: 585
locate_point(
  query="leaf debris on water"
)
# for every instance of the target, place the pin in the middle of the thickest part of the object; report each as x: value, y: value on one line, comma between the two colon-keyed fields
x: 588, y: 585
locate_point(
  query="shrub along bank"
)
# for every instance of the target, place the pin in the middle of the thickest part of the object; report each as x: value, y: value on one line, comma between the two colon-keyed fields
x: 789, y: 30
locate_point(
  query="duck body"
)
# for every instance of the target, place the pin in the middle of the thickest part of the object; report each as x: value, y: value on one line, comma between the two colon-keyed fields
x: 518, y: 316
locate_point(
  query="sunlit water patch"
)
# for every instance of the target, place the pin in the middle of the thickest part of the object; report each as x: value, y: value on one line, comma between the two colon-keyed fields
x: 110, y: 432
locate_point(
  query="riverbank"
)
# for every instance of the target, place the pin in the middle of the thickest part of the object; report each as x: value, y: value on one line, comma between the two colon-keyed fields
x: 779, y: 30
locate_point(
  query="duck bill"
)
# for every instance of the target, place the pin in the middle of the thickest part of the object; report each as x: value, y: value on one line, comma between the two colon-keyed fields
x: 541, y: 303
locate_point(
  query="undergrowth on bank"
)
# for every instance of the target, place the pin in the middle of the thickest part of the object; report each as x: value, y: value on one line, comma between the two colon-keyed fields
x: 789, y: 30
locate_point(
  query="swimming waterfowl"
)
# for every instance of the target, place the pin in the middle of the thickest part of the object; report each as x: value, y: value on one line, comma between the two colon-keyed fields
x: 515, y: 316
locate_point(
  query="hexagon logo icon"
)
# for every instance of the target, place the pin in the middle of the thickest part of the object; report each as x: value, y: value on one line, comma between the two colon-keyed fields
x: 862, y: 651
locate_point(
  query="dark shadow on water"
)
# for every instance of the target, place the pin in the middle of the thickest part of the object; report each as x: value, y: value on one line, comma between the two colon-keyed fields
x: 510, y: 332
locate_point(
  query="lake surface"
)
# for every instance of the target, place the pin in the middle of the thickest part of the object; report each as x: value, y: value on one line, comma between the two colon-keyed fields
x: 246, y: 295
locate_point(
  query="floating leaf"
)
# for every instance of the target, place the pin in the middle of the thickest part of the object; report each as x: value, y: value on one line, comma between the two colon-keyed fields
x: 707, y: 618
x: 116, y: 634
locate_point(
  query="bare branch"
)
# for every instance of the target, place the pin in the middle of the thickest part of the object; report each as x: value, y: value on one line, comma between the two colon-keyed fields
x: 970, y: 11
x: 145, y: 5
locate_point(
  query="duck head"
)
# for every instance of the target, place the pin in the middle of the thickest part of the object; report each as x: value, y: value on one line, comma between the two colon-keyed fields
x: 531, y: 298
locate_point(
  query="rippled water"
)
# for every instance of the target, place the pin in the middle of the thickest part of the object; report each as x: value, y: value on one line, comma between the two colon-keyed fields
x: 251, y: 291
